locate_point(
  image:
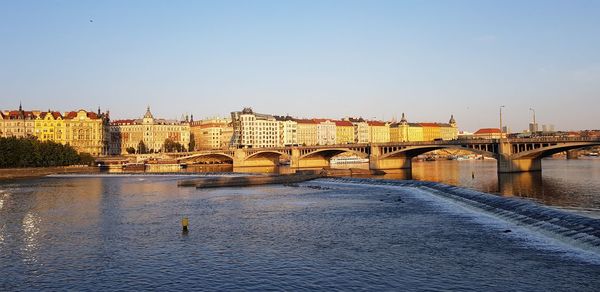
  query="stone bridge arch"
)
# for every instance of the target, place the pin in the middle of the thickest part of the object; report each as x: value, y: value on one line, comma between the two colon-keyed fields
x: 414, y: 151
x: 318, y: 157
x: 206, y: 158
x: 521, y: 151
x: 268, y: 154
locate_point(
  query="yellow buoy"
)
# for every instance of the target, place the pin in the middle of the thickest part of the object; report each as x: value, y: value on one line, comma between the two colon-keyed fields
x: 184, y: 223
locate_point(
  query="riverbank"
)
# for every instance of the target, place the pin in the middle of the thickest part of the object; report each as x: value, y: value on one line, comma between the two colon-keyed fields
x: 35, y: 172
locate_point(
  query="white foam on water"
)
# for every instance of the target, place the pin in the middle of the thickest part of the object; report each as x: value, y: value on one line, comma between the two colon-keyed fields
x: 540, y: 235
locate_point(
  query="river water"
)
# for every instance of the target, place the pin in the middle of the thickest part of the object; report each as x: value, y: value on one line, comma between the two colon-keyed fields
x: 568, y: 184
x: 123, y: 233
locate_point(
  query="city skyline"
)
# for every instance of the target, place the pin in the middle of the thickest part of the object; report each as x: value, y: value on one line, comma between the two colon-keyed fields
x: 308, y: 59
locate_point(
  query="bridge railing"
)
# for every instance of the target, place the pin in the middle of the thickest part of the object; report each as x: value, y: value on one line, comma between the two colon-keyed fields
x: 553, y: 139
x: 409, y: 143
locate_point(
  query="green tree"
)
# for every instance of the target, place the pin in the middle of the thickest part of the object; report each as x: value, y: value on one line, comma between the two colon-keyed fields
x: 171, y: 146
x: 130, y: 150
x: 142, y: 149
x: 29, y: 152
x: 192, y: 144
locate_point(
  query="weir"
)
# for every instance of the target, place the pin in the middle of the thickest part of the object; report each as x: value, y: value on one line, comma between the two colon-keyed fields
x: 570, y: 228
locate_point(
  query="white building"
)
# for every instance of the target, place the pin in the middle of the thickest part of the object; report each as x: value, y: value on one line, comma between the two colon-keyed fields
x: 326, y: 132
x: 288, y: 131
x: 253, y: 130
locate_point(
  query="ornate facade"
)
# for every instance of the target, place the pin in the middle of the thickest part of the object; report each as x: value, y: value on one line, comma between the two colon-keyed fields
x: 85, y: 131
x: 404, y: 131
x: 148, y: 131
x: 18, y: 123
x: 326, y: 132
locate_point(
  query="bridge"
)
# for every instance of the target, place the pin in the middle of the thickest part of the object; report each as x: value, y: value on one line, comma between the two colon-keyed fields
x: 512, y: 155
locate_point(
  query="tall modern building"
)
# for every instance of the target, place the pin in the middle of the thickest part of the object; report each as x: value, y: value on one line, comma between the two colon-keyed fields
x: 254, y: 130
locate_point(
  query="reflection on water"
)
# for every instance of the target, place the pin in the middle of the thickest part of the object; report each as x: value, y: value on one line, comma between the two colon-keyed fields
x: 30, y: 227
x: 565, y: 183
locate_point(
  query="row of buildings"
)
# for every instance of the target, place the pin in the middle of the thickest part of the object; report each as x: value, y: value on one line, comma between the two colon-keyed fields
x: 85, y: 131
x: 95, y: 133
x: 254, y: 130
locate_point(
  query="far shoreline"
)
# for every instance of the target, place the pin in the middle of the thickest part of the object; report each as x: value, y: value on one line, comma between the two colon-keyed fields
x: 37, y: 172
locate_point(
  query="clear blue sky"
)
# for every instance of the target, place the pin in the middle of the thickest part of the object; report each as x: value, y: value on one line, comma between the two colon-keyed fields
x: 322, y: 58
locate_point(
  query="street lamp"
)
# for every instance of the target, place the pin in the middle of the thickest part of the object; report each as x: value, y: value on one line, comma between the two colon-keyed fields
x: 501, y: 131
x: 534, y: 128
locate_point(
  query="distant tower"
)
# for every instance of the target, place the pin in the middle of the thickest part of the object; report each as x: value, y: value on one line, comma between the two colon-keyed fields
x: 403, y: 128
x: 20, y: 107
x: 191, y: 118
x: 452, y: 123
x: 148, y: 118
x: 403, y: 120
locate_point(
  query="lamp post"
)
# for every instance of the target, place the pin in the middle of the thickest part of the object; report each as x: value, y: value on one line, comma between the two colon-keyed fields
x: 501, y: 131
x: 534, y: 128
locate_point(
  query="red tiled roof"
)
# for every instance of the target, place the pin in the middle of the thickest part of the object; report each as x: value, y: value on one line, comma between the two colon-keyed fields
x: 15, y: 114
x: 305, y: 121
x: 488, y: 131
x: 343, y: 124
x: 55, y: 115
x: 72, y: 115
x: 375, y: 123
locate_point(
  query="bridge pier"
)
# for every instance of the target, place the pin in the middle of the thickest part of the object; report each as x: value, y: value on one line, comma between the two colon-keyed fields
x: 240, y: 160
x: 506, y: 164
x: 572, y: 154
x: 315, y: 161
x: 376, y: 162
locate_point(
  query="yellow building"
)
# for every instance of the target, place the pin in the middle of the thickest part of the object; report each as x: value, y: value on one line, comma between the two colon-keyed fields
x: 405, y: 131
x: 307, y: 132
x: 18, y: 123
x: 379, y: 132
x: 87, y: 131
x: 344, y: 132
x: 396, y: 132
x: 414, y: 132
x: 431, y: 131
x: 50, y: 126
x: 151, y: 132
x: 212, y: 133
